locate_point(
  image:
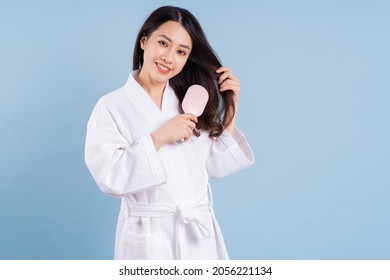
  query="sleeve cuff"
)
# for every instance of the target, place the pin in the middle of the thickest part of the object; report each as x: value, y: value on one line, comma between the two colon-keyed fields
x: 239, y: 147
x: 158, y: 172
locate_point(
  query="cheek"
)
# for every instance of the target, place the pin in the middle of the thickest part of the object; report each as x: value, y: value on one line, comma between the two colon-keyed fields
x: 181, y: 63
x: 152, y: 53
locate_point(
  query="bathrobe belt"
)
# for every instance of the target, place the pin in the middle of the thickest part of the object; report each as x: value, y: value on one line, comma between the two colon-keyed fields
x: 184, y: 214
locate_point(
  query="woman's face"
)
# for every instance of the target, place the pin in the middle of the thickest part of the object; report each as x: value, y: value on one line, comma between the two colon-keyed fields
x: 166, y: 52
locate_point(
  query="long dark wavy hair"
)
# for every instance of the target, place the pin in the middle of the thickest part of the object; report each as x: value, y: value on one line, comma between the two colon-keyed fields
x: 199, y: 69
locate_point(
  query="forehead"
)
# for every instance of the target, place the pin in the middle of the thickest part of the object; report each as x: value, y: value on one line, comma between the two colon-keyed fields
x: 174, y: 31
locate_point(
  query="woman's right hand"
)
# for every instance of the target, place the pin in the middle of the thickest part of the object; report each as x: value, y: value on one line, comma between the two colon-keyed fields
x: 178, y: 128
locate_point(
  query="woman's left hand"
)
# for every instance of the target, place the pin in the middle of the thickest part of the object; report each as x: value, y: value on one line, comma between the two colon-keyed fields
x: 227, y: 81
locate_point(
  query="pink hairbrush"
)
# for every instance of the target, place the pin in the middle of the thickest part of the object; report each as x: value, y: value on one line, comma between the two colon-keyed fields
x: 195, y: 100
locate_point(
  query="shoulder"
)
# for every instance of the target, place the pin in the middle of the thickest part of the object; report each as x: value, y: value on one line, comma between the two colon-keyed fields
x: 119, y: 95
x: 112, y: 98
x: 105, y: 105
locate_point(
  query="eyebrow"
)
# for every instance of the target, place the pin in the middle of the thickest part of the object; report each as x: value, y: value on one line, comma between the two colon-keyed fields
x: 170, y: 40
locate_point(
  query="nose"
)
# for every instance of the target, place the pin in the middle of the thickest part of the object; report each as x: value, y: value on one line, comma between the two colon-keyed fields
x: 167, y: 61
x: 168, y: 56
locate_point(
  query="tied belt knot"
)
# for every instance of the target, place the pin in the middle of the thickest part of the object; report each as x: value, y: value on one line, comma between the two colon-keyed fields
x: 184, y: 215
x: 187, y: 216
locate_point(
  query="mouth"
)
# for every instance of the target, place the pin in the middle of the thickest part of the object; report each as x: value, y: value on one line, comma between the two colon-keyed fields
x: 162, y: 68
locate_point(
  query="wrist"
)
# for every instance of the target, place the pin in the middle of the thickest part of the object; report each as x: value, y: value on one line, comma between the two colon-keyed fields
x: 158, y: 140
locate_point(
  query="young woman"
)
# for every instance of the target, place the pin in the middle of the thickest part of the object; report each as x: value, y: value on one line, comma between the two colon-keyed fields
x: 133, y: 152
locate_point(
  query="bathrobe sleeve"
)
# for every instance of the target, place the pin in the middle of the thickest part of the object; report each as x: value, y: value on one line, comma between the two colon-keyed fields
x: 229, y: 154
x: 119, y: 167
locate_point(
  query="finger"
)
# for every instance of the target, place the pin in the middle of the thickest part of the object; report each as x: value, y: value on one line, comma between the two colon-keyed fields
x: 223, y: 77
x: 230, y: 82
x: 226, y: 73
x: 190, y: 117
x: 227, y: 76
x: 234, y: 90
x: 187, y: 135
x: 230, y: 85
x: 190, y: 124
x: 223, y: 69
x: 190, y: 132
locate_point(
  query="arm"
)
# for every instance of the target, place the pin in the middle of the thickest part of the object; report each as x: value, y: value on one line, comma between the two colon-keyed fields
x: 120, y: 167
x: 230, y: 152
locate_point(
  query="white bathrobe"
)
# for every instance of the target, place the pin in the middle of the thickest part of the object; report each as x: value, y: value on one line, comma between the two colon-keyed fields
x: 165, y: 211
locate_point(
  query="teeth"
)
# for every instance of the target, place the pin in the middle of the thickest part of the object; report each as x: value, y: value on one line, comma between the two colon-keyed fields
x: 162, y: 67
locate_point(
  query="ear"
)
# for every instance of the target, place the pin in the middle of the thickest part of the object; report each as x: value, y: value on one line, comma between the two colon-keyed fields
x: 143, y: 42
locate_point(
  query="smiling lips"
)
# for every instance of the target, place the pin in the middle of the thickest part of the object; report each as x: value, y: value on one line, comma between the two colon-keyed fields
x: 162, y: 68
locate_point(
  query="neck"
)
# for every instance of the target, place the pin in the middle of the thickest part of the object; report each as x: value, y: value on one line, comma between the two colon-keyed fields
x: 152, y: 88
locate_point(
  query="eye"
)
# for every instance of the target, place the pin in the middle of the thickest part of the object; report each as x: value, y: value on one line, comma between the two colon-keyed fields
x: 163, y: 43
x: 181, y: 52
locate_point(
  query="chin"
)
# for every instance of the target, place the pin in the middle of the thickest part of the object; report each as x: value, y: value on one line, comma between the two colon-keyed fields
x: 164, y: 78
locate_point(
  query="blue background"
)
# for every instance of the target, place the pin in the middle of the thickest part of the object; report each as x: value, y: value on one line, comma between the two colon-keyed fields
x: 315, y: 106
